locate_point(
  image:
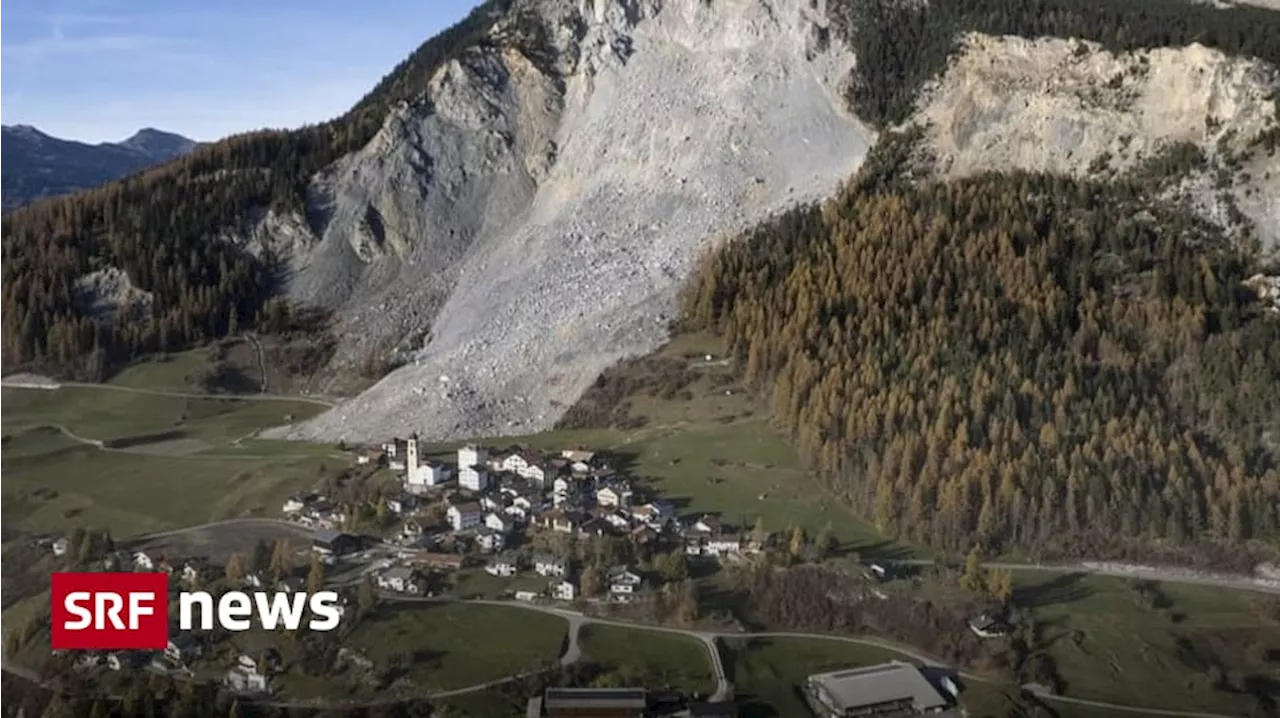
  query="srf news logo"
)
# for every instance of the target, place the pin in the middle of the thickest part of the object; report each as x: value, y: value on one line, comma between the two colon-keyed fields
x: 130, y: 611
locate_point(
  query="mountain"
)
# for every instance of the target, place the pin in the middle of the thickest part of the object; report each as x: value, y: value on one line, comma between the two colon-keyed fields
x: 517, y: 205
x: 34, y: 165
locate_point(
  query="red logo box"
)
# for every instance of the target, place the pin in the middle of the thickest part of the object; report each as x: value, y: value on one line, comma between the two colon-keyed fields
x: 110, y: 611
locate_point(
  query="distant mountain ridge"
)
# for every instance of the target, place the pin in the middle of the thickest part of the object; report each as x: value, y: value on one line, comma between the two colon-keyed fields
x: 35, y: 165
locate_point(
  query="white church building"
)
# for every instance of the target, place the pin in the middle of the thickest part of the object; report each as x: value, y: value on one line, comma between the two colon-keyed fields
x: 421, y: 475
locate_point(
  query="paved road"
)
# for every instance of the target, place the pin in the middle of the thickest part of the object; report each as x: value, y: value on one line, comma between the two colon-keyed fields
x: 14, y: 384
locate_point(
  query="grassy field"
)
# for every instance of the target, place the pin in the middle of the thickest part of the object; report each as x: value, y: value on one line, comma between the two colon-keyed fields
x: 669, y: 660
x: 457, y: 645
x: 53, y: 482
x: 1111, y: 647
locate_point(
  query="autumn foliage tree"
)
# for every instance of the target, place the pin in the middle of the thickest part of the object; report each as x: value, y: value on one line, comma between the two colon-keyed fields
x: 1013, y: 361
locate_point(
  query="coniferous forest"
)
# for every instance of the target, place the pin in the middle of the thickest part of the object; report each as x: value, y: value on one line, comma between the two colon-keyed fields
x: 1024, y: 362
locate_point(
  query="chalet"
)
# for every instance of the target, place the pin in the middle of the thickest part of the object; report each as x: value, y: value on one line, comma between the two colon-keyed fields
x: 490, y: 541
x: 517, y: 461
x: 498, y: 522
x: 60, y: 546
x: 464, y: 516
x: 548, y: 565
x: 561, y: 520
x: 395, y: 451
x: 519, y: 509
x: 623, y: 582
x: 401, y: 579
x: 504, y: 566
x: 562, y: 590
x: 334, y: 543
x: 655, y: 515
x: 143, y: 562
x: 614, y: 495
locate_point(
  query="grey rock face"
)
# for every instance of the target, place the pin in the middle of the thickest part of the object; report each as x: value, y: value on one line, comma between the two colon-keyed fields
x: 536, y: 221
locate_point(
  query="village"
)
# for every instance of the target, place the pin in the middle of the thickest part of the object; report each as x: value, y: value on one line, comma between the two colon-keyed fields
x: 564, y: 529
x: 521, y: 512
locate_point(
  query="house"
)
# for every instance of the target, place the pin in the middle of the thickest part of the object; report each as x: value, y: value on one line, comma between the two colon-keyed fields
x: 473, y: 479
x: 616, y: 519
x: 489, y: 503
x: 464, y: 516
x: 623, y: 582
x: 395, y: 451
x: 527, y: 596
x: 182, y: 647
x: 143, y: 562
x: 614, y: 495
x: 562, y: 521
x: 244, y: 681
x: 548, y: 565
x: 595, y: 527
x: 504, y: 566
x: 517, y: 462
x: 576, y: 455
x: 490, y: 541
x: 471, y: 472
x: 402, y: 504
x: 654, y: 515
x: 707, y: 524
x: 498, y: 522
x: 643, y: 536
x: 471, y: 456
x: 401, y: 579
x: 562, y: 590
x: 60, y: 546
x: 335, y: 543
x: 724, y: 544
x: 695, y: 545
x: 296, y: 503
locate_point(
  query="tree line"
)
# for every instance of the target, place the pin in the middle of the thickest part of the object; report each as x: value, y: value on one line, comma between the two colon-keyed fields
x: 161, y: 227
x: 1021, y: 361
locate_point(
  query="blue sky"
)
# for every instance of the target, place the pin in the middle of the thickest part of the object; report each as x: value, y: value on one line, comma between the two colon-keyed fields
x: 100, y: 70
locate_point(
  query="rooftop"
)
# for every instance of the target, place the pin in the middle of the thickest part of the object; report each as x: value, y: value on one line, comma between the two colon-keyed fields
x: 596, y: 698
x: 884, y: 683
